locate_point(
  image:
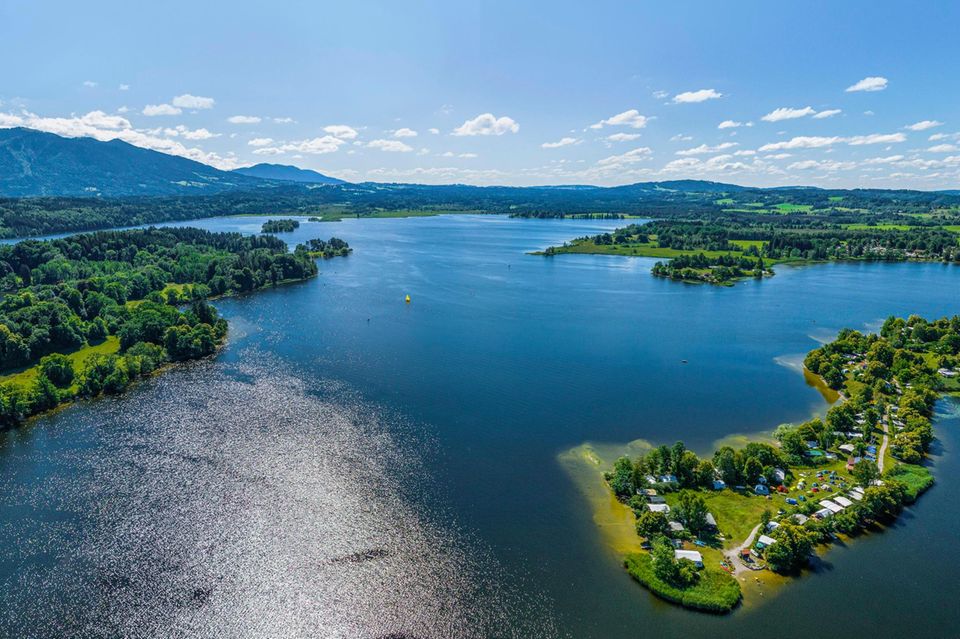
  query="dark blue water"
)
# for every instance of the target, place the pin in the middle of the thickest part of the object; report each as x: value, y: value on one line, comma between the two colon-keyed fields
x: 340, y: 419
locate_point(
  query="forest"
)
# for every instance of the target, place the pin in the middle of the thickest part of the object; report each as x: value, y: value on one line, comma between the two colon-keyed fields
x: 63, y: 296
x: 684, y: 199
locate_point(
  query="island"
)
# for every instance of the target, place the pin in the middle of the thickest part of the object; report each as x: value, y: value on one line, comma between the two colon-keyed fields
x: 769, y: 506
x: 90, y: 314
x: 721, y: 251
x: 280, y: 226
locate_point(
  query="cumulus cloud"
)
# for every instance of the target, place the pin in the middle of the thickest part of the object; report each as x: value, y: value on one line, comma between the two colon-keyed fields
x: 630, y: 157
x: 871, y: 83
x: 187, y: 101
x: 487, y: 124
x: 730, y: 124
x: 787, y: 113
x: 161, y: 109
x: 559, y: 143
x: 341, y: 131
x: 393, y: 146
x: 622, y: 137
x: 260, y: 142
x: 404, y: 133
x: 943, y: 148
x: 923, y: 125
x: 876, y: 138
x: 434, y: 131
x: 801, y: 142
x: 90, y: 84
x: 124, y: 87
x: 631, y: 118
x: 703, y: 148
x: 313, y: 146
x: 696, y: 96
x: 829, y: 113
x: 284, y: 120
x: 826, y: 165
x: 659, y: 95
x: 244, y: 119
x: 190, y: 134
x: 816, y: 142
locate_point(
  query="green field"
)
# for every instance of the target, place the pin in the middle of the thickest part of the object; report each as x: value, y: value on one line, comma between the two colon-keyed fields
x: 25, y: 377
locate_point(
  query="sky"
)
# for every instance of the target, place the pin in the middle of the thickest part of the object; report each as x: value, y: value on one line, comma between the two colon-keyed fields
x: 833, y: 94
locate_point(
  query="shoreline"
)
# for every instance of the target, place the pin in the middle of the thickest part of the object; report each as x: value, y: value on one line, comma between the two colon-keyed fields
x: 586, y: 465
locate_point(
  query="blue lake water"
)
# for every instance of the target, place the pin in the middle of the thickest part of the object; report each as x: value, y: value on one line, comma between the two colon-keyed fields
x: 352, y: 465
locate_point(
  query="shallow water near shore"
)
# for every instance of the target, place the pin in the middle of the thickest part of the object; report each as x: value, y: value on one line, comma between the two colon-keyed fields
x: 355, y: 466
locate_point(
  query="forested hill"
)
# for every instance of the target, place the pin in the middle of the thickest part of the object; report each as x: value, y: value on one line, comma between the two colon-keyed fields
x: 34, y: 163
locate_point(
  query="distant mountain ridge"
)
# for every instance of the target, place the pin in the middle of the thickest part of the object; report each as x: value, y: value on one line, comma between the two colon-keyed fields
x: 36, y: 163
x: 286, y: 173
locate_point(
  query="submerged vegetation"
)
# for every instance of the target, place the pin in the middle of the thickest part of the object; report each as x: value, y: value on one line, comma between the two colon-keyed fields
x: 90, y: 314
x: 768, y: 507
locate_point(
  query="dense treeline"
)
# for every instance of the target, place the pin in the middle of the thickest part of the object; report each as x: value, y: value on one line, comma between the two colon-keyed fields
x: 334, y: 247
x: 280, y: 226
x: 62, y: 295
x: 667, y: 200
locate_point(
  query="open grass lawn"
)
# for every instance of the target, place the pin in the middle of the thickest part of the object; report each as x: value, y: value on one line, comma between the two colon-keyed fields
x: 835, y: 198
x: 26, y: 376
x: 784, y: 207
x: 715, y: 591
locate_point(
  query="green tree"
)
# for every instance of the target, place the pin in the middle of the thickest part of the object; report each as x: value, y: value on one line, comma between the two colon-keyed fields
x: 791, y: 550
x: 691, y: 511
x: 651, y: 524
x: 58, y: 369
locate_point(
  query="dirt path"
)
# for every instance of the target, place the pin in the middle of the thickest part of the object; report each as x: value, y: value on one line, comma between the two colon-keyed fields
x: 883, y: 447
x: 738, y: 566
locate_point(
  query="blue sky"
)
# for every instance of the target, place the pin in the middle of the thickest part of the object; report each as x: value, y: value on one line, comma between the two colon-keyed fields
x: 851, y: 94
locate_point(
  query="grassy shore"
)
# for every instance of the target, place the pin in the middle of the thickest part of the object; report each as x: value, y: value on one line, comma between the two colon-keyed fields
x: 715, y: 590
x: 26, y: 376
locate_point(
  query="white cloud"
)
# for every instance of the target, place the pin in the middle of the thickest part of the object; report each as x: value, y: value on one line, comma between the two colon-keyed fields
x: 696, y: 96
x: 778, y: 156
x: 394, y: 146
x: 876, y: 138
x: 884, y: 160
x: 659, y: 95
x: 124, y: 87
x: 260, y: 142
x: 404, y: 133
x: 190, y: 134
x: 560, y: 143
x: 622, y: 137
x: 487, y: 124
x: 801, y: 142
x: 313, y: 146
x: 284, y: 120
x: 872, y: 83
x: 161, y: 109
x: 244, y: 119
x: 467, y: 156
x: 787, y: 113
x: 123, y: 109
x: 829, y: 113
x: 923, y: 125
x: 434, y: 131
x: 631, y: 118
x: 816, y: 142
x: 630, y: 157
x: 729, y: 124
x: 825, y: 165
x: 703, y: 148
x: 943, y: 148
x: 187, y: 101
x: 680, y: 137
x: 341, y: 131
x: 90, y: 84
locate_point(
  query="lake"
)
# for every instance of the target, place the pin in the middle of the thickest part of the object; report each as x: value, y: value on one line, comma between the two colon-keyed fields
x: 355, y: 466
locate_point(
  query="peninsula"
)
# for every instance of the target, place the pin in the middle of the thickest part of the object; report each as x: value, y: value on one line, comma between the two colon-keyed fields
x: 770, y: 507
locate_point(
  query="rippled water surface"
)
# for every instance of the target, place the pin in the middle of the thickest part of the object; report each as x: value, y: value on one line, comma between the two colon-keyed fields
x: 353, y: 466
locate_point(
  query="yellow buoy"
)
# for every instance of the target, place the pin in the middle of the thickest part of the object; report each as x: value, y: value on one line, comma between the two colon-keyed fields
x: 408, y: 299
